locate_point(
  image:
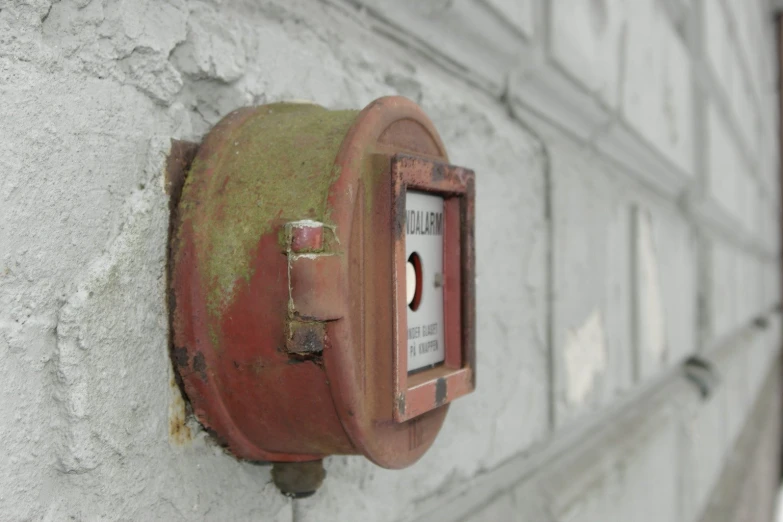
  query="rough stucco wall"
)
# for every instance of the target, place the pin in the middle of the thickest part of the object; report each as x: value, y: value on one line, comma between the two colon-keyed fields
x: 627, y: 218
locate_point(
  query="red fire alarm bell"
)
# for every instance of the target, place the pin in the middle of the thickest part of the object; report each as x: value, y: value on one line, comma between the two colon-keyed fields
x: 323, y: 285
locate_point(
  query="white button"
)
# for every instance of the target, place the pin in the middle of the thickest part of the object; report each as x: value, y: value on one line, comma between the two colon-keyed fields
x: 410, y: 282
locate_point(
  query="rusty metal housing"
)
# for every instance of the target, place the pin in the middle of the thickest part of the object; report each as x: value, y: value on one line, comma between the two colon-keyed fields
x: 285, y: 272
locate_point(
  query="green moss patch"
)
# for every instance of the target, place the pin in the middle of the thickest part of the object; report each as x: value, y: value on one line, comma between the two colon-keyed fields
x: 277, y: 166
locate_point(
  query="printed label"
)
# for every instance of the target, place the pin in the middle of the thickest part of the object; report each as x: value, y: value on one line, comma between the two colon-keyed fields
x: 424, y: 236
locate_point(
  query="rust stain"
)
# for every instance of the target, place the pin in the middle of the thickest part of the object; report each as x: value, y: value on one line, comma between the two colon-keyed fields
x: 200, y: 365
x: 441, y: 391
x: 400, y: 217
x: 306, y: 337
x: 180, y: 356
x: 178, y: 162
x: 415, y: 434
x: 438, y: 172
x: 401, y: 402
x: 179, y: 431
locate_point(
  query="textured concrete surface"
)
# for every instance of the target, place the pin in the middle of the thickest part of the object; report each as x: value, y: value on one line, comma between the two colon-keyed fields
x: 628, y: 217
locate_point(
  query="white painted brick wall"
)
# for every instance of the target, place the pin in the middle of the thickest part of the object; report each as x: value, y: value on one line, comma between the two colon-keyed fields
x: 725, y: 58
x: 704, y: 442
x: 753, y: 26
x: 657, y: 97
x: 664, y: 271
x: 636, y: 482
x: 589, y: 42
x: 591, y: 316
x: 624, y: 224
x: 520, y: 13
x: 736, y: 294
x: 728, y: 173
x: 733, y: 367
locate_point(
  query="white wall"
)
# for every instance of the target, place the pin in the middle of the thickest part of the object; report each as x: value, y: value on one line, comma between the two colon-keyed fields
x: 628, y: 210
